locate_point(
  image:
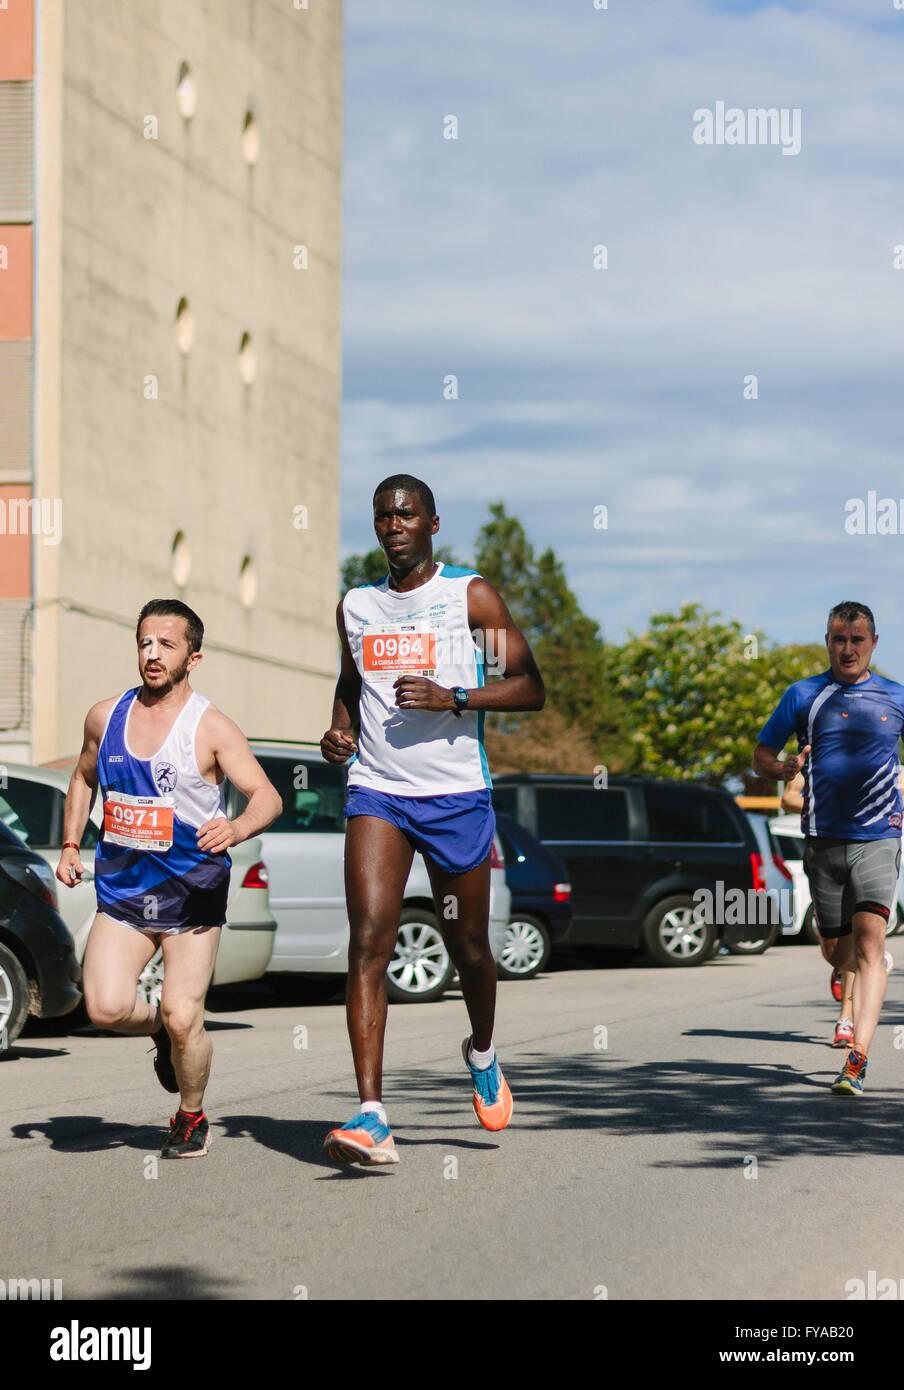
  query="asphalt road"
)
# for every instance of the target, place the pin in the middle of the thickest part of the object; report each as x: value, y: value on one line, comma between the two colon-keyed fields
x: 673, y: 1137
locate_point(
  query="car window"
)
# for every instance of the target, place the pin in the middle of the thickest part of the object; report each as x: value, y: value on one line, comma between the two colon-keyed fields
x: 789, y: 846
x: 688, y: 816
x: 582, y: 813
x: 313, y: 795
x: 505, y: 801
x: 27, y: 808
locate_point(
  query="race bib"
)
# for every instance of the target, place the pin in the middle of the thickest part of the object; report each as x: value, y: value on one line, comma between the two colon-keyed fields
x: 138, y: 822
x: 399, y: 649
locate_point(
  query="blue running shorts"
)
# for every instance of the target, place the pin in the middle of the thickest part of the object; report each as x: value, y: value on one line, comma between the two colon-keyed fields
x: 455, y: 831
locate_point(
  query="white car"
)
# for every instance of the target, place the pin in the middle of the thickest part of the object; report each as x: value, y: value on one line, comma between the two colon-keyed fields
x: 790, y: 839
x: 31, y: 804
x: 305, y: 853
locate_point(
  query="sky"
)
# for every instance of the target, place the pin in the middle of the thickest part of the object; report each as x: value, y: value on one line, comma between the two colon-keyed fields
x: 624, y: 388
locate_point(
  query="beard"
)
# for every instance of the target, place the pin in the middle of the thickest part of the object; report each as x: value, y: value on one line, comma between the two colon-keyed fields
x: 172, y: 678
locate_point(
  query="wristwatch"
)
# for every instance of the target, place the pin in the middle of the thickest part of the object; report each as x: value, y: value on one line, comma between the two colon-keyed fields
x: 460, y: 696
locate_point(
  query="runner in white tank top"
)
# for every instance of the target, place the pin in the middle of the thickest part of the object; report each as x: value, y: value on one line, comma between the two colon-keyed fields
x: 412, y: 683
x: 159, y: 754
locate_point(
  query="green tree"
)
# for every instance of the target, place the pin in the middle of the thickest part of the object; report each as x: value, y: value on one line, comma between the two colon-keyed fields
x: 697, y: 690
x: 581, y: 724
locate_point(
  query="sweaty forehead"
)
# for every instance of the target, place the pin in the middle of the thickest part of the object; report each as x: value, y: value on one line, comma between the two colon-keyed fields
x: 858, y: 628
x: 171, y: 627
x: 397, y: 501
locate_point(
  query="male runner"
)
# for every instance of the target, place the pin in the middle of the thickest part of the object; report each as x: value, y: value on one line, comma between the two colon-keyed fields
x: 412, y: 682
x: 848, y: 721
x: 159, y: 754
x: 841, y: 984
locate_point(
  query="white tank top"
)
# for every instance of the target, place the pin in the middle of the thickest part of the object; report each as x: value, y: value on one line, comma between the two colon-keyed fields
x: 424, y: 632
x: 174, y: 767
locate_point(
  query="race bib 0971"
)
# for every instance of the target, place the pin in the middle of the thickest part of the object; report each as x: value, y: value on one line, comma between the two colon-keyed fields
x: 138, y: 822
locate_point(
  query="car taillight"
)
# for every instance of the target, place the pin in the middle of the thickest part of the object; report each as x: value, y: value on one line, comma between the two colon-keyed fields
x: 496, y: 859
x: 561, y: 892
x: 759, y: 877
x: 782, y: 867
x: 257, y: 876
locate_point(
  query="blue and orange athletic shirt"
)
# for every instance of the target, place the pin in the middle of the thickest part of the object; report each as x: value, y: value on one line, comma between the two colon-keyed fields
x: 851, y: 774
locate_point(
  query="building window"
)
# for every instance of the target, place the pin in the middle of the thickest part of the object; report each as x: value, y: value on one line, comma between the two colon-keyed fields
x: 248, y: 582
x: 251, y: 140
x: 247, y: 359
x: 181, y: 559
x: 186, y: 94
x: 185, y: 326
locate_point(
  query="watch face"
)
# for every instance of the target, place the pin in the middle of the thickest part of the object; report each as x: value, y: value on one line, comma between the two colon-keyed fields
x: 460, y: 696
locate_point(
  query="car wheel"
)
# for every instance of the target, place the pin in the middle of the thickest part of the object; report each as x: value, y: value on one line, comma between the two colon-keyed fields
x: 755, y: 948
x: 675, y: 934
x: 14, y: 998
x: 808, y: 930
x: 526, y: 950
x: 421, y: 969
x: 150, y: 981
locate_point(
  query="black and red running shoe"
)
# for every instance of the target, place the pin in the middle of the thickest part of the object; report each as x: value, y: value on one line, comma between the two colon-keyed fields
x: 189, y: 1136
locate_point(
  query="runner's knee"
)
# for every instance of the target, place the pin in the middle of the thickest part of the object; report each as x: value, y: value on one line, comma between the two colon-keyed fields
x: 182, y: 1020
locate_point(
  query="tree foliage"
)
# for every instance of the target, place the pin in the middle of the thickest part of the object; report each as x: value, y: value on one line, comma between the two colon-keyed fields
x: 698, y: 689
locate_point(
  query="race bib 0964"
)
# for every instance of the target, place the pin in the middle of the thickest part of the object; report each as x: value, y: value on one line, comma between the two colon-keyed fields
x: 399, y: 649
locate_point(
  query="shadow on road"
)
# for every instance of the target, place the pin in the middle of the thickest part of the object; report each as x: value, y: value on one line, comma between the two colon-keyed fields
x: 730, y: 1108
x: 91, y: 1134
x: 168, y: 1282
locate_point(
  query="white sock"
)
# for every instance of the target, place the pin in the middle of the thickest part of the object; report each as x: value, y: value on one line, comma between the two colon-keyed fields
x: 481, y: 1060
x: 374, y: 1107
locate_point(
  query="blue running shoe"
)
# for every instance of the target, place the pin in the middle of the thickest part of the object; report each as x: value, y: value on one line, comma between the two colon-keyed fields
x: 492, y: 1099
x: 849, y: 1081
x: 363, y: 1140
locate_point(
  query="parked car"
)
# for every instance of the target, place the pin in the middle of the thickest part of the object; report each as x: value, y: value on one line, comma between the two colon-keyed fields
x: 637, y: 851
x: 789, y: 837
x: 39, y: 972
x: 305, y: 852
x: 31, y: 804
x: 541, y: 909
x: 778, y: 885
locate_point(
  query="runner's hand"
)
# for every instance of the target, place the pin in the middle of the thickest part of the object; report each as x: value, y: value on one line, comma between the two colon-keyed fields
x: 216, y: 836
x: 793, y: 765
x: 70, y: 868
x: 337, y: 747
x: 417, y: 692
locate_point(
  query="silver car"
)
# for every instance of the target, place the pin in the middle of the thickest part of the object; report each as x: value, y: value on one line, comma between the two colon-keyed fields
x: 304, y: 849
x: 31, y: 804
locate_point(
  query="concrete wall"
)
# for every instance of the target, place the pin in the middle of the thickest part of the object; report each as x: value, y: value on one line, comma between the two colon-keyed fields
x: 128, y: 226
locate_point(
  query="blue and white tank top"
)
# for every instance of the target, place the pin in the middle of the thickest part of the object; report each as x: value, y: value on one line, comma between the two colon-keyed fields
x: 148, y: 866
x: 424, y: 632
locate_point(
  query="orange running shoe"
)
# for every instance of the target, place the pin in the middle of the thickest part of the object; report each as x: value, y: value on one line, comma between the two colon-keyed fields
x: 844, y: 1033
x: 492, y: 1098
x: 363, y: 1140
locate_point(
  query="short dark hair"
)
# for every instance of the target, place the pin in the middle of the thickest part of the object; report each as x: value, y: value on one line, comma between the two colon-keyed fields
x: 174, y: 608
x: 848, y: 612
x: 407, y: 483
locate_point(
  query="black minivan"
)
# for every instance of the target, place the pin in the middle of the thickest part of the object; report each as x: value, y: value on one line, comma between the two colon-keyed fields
x: 638, y: 849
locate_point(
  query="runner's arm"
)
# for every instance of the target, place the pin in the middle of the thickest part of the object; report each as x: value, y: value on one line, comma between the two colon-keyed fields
x: 81, y: 793
x: 767, y: 763
x: 339, y: 742
x: 234, y: 756
x: 522, y: 685
x: 791, y: 796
